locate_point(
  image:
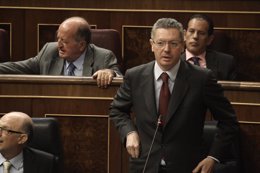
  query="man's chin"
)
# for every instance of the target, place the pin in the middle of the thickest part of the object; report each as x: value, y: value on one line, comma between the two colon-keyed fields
x: 62, y: 56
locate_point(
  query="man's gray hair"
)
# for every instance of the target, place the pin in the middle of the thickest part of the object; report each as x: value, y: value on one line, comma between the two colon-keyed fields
x: 167, y: 23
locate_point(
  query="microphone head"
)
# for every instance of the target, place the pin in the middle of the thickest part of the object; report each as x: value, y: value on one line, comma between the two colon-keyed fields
x: 159, y: 121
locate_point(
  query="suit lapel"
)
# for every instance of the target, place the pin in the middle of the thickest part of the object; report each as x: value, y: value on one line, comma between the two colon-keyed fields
x: 180, y: 88
x: 57, y: 66
x: 147, y: 84
x: 88, y: 62
x: 211, y: 61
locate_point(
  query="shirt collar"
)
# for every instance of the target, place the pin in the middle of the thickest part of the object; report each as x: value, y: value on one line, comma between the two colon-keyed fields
x: 78, y: 62
x: 189, y: 55
x: 17, y: 161
x: 172, y: 72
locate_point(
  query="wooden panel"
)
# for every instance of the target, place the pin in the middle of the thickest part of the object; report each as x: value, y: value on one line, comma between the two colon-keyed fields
x: 8, y: 28
x: 220, y: 5
x: 16, y: 19
x: 80, y: 137
x: 11, y: 103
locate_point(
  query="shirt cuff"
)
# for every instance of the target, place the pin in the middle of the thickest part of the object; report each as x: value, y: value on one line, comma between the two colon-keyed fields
x: 213, y: 158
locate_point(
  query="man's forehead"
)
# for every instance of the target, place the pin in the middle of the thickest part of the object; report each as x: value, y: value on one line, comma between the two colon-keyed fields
x: 167, y: 32
x: 198, y: 22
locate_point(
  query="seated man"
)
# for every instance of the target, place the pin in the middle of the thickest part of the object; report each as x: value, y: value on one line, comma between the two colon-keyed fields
x: 16, y: 129
x: 198, y: 36
x: 71, y: 55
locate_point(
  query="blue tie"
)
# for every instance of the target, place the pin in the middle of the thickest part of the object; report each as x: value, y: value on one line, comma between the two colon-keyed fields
x: 71, y: 69
x: 196, y: 60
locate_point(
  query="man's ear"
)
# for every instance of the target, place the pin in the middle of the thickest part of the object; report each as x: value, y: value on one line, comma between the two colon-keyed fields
x: 184, y: 35
x: 83, y: 45
x: 23, y: 138
x: 151, y: 42
x: 210, y: 39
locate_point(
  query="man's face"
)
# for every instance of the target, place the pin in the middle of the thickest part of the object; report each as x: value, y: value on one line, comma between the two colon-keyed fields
x: 9, y: 135
x: 167, y: 46
x: 196, y: 36
x: 69, y: 48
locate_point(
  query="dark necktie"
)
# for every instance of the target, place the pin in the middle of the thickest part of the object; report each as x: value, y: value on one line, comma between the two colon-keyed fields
x: 164, y: 96
x: 196, y: 60
x: 71, y: 69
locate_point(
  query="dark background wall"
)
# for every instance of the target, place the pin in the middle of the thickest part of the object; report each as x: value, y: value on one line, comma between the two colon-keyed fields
x: 31, y: 22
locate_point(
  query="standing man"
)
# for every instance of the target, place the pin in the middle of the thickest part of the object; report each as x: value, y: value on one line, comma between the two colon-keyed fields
x: 71, y: 55
x: 16, y: 129
x: 177, y: 94
x: 198, y: 36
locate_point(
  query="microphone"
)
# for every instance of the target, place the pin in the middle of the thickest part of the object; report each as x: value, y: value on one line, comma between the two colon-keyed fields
x: 159, y: 123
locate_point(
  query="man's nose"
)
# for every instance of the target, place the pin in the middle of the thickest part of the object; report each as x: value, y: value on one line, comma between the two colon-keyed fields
x: 167, y: 47
x: 195, y: 34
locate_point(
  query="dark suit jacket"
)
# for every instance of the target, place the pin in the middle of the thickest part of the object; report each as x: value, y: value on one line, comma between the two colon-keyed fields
x: 48, y: 62
x: 179, y: 141
x: 222, y: 65
x: 36, y: 161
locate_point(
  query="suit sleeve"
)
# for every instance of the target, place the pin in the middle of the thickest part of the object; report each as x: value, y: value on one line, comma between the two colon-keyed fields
x: 28, y: 66
x: 223, y: 112
x: 111, y: 63
x: 120, y: 109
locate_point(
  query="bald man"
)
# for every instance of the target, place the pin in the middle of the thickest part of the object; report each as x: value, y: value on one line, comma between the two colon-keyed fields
x: 71, y: 55
x: 16, y: 129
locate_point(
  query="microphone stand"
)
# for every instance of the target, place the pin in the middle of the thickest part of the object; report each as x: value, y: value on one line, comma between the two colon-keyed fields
x: 159, y: 123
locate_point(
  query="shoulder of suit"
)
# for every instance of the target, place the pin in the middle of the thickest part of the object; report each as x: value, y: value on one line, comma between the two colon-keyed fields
x: 50, y: 47
x: 140, y: 68
x: 99, y: 49
x: 193, y: 69
x: 219, y: 54
x: 38, y: 153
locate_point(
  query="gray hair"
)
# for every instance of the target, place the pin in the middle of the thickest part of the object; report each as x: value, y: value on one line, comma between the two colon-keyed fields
x: 167, y: 23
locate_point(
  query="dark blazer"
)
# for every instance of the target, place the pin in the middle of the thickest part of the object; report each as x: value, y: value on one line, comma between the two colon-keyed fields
x: 179, y: 141
x: 222, y: 65
x: 36, y: 161
x: 48, y: 62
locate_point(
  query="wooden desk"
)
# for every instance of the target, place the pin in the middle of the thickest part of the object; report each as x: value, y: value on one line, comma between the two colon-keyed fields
x: 90, y: 141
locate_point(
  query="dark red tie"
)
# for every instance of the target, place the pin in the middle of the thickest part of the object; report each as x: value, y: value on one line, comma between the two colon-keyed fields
x: 164, y: 96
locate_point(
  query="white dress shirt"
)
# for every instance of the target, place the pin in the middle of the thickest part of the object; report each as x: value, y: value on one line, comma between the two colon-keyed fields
x: 78, y: 63
x: 16, y: 163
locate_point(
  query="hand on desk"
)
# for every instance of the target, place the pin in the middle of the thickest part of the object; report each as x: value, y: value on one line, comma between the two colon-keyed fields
x: 133, y: 144
x: 104, y: 77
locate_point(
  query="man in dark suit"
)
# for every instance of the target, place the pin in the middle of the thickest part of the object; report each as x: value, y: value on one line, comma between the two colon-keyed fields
x: 16, y: 129
x: 193, y: 90
x: 72, y: 55
x: 198, y: 37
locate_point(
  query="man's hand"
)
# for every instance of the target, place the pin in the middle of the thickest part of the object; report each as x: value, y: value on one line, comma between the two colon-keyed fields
x: 104, y: 77
x: 133, y: 144
x: 205, y: 166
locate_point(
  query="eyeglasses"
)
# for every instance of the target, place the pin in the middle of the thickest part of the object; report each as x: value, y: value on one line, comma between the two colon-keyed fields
x: 162, y: 44
x: 8, y: 131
